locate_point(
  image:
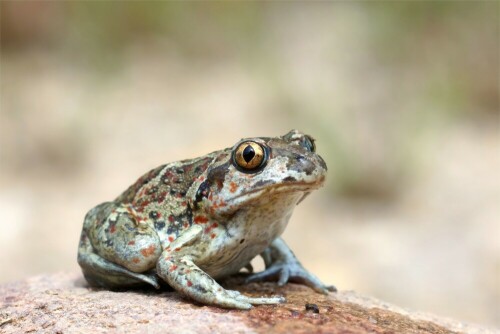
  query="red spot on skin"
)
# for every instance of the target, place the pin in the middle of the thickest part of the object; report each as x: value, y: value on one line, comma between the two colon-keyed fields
x: 187, y: 271
x: 131, y: 243
x: 162, y: 196
x: 202, y: 178
x: 148, y: 251
x: 184, y: 203
x: 209, y: 229
x: 189, y: 283
x: 232, y: 187
x: 221, y: 204
x: 185, y: 225
x: 200, y: 219
x: 178, y: 249
x: 172, y: 267
x: 171, y: 218
x: 171, y: 239
x: 178, y: 195
x: 213, y: 235
x: 112, y: 229
x: 136, y: 260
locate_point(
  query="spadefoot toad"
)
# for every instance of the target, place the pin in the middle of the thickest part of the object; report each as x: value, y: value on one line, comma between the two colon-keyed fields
x: 194, y: 221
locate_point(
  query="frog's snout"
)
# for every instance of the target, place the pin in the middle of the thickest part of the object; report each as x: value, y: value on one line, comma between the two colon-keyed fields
x: 312, y: 165
x: 322, y: 163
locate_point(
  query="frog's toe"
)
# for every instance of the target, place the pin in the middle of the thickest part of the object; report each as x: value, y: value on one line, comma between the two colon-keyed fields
x: 314, y: 283
x: 262, y: 300
x: 152, y: 279
x: 267, y: 300
x: 233, y: 293
x: 284, y: 277
x: 255, y: 300
x: 233, y: 303
x: 230, y: 300
x: 331, y: 288
x: 263, y: 275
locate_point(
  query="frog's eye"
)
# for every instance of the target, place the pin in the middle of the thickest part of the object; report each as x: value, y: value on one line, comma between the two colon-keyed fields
x: 249, y: 155
x: 308, y: 144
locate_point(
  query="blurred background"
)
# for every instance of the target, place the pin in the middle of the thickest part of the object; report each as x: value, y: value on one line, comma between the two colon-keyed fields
x: 402, y: 97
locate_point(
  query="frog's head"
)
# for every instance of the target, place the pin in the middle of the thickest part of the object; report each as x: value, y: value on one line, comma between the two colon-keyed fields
x: 256, y: 170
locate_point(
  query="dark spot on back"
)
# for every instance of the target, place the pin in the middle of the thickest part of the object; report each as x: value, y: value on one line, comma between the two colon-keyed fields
x: 202, y: 192
x: 152, y: 190
x: 216, y: 175
x: 289, y: 179
x: 159, y: 225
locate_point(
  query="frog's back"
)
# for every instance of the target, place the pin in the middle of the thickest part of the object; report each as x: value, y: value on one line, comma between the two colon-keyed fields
x: 159, y: 196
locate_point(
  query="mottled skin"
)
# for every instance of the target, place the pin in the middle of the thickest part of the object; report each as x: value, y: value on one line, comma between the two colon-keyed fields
x: 193, y: 221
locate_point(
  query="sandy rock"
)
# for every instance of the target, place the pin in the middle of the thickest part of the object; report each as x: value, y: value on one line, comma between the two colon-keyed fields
x: 63, y: 303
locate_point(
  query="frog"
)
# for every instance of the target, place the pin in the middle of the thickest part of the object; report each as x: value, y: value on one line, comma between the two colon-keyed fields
x: 191, y: 223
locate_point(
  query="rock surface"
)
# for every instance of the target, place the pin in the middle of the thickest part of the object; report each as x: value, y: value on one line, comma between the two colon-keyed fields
x: 62, y: 303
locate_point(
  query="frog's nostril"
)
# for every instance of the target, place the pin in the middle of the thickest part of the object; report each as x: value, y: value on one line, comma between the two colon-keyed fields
x: 299, y: 158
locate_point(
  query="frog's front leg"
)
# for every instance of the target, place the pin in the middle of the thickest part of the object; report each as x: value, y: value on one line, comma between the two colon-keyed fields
x: 281, y: 262
x: 177, y: 268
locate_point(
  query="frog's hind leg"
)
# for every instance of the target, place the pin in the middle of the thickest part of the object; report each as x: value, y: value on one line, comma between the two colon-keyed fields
x: 100, y: 272
x: 114, y: 251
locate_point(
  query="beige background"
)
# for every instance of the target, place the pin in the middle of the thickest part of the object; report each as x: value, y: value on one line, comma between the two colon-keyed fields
x: 401, y: 97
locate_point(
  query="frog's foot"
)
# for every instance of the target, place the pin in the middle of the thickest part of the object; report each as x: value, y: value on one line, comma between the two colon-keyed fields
x: 291, y: 271
x: 184, y: 276
x: 177, y: 268
x: 235, y: 299
x: 256, y: 300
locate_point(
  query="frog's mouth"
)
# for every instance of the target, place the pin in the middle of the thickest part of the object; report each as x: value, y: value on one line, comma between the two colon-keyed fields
x: 265, y: 192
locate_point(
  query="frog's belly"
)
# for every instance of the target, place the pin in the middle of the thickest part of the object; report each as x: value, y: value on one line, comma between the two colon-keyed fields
x: 231, y: 263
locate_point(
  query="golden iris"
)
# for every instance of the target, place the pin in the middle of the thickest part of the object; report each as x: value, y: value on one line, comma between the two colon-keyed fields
x: 249, y: 155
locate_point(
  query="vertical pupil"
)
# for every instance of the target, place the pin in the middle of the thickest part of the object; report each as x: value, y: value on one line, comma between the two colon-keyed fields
x: 248, y: 153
